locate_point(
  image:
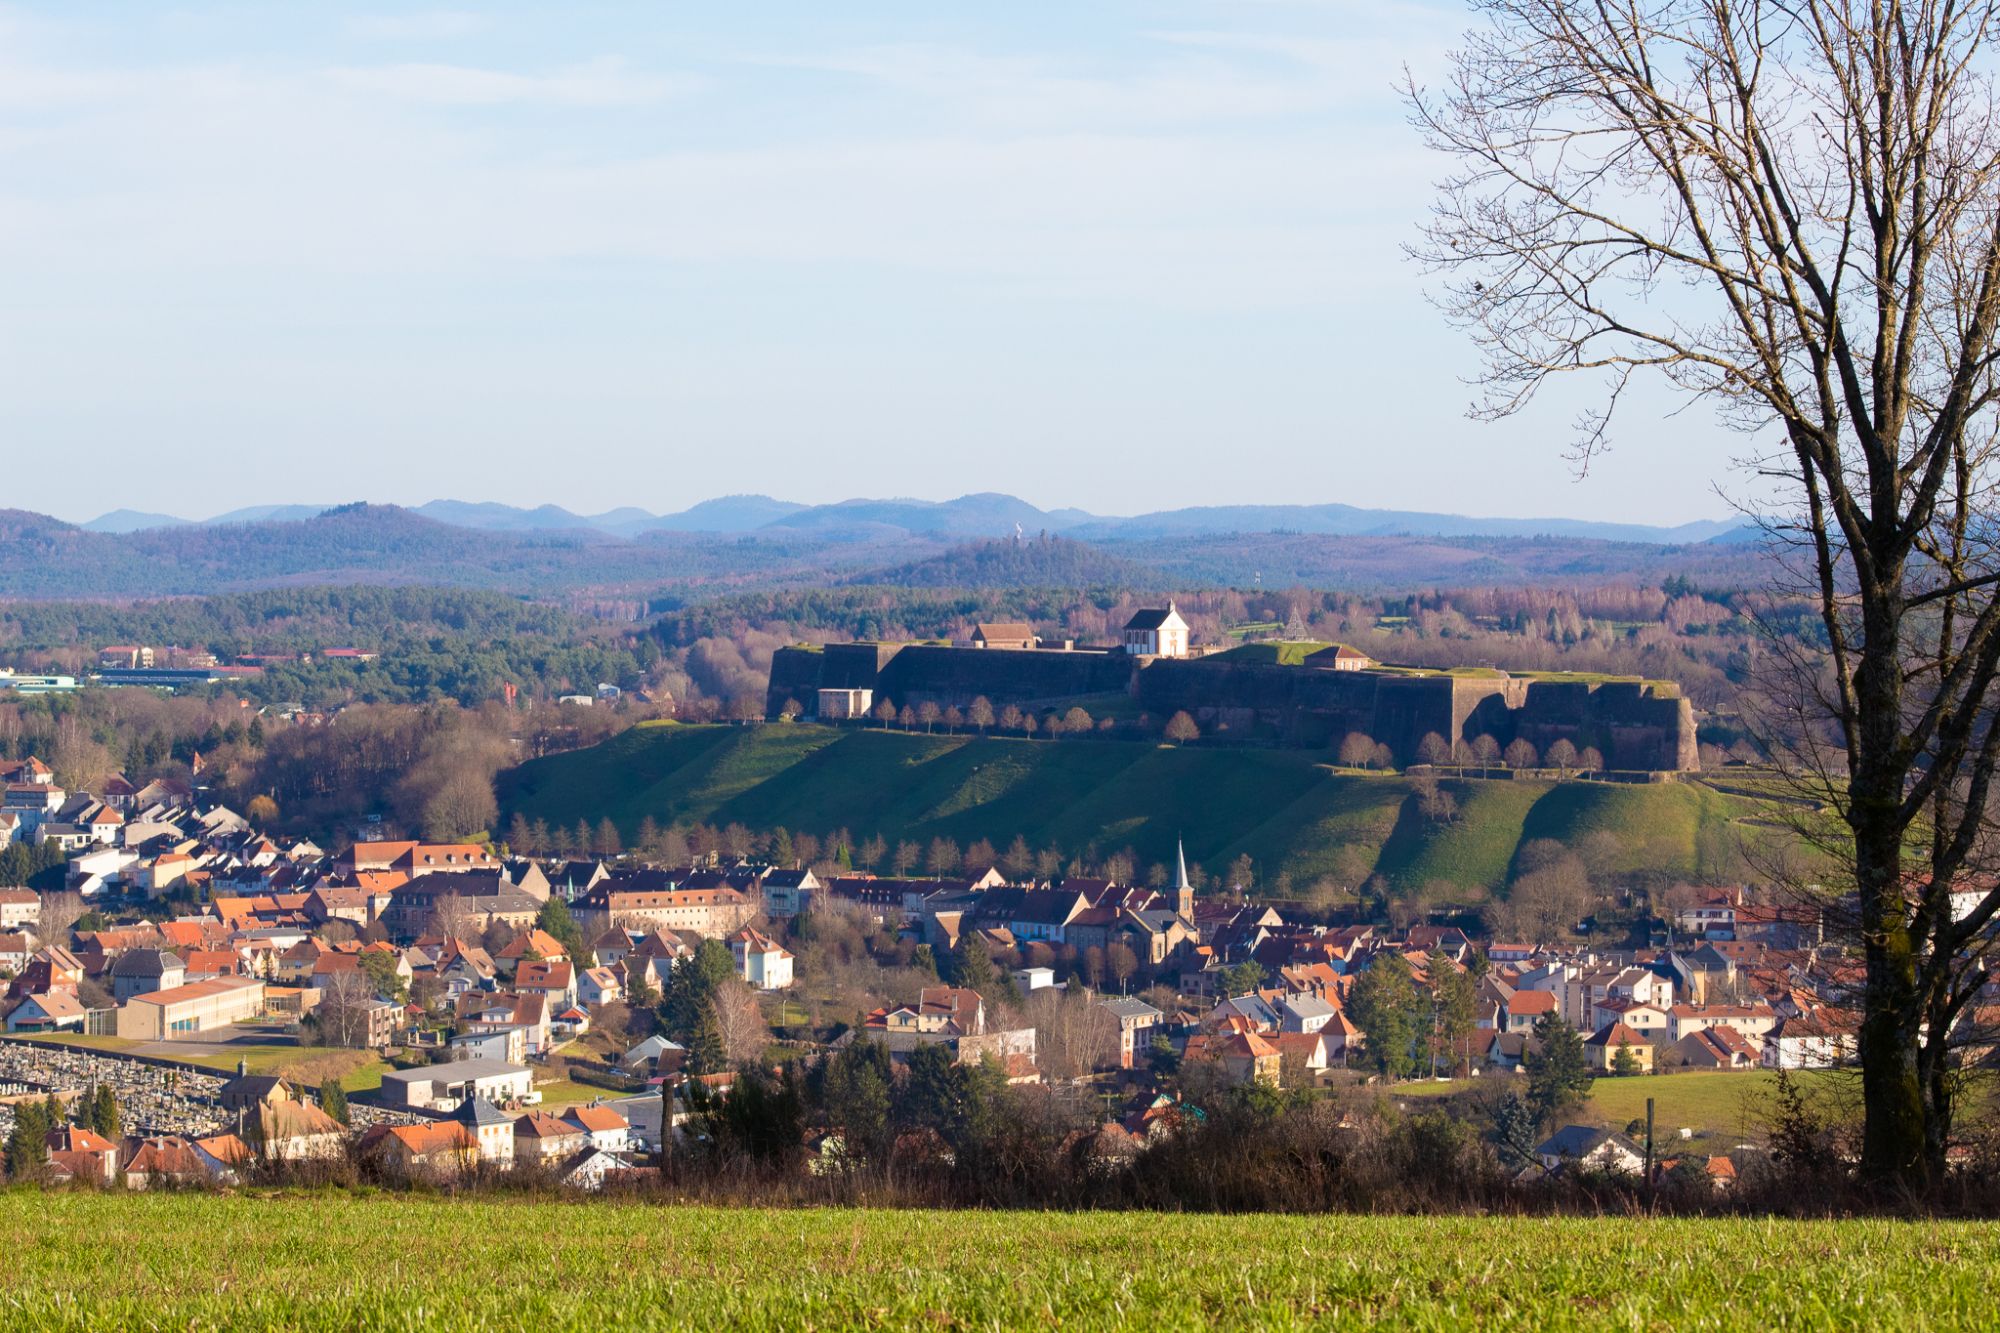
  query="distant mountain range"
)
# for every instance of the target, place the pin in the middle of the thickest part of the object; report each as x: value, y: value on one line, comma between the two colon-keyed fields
x: 987, y: 514
x: 743, y: 543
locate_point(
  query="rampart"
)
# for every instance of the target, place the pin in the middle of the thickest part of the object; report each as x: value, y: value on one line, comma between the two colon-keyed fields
x: 1630, y: 725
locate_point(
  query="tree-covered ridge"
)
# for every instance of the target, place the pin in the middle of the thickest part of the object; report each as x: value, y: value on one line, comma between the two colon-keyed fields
x: 1036, y: 562
x: 40, y: 557
x: 284, y: 620
x: 433, y: 643
x: 384, y: 544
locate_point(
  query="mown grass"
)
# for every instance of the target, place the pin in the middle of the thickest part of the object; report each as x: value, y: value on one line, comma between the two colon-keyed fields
x: 357, y: 1070
x: 330, y: 1262
x: 82, y: 1039
x: 1288, y: 653
x: 1715, y: 1103
x: 1287, y: 810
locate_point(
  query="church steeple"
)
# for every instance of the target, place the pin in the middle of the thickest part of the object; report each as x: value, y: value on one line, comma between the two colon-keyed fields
x: 1183, y: 891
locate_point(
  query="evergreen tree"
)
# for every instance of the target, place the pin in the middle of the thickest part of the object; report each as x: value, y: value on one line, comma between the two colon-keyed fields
x: 706, y: 1053
x: 974, y: 968
x: 855, y: 1090
x: 1452, y: 1000
x: 1558, y: 1073
x: 1624, y: 1063
x: 689, y: 1001
x: 27, y: 1145
x: 104, y: 1115
x: 1384, y: 1004
x: 1244, y: 977
x: 555, y: 920
x: 333, y: 1099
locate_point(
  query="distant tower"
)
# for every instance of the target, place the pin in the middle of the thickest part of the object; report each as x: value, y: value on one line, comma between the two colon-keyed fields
x: 1183, y: 891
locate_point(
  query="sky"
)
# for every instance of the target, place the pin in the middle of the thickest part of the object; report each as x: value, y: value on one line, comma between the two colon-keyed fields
x: 1122, y: 255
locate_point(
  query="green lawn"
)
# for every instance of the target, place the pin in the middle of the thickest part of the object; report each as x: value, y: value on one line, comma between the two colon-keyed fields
x: 1287, y: 810
x: 83, y: 1262
x: 1716, y: 1104
x: 1275, y: 653
x: 105, y: 1043
x: 358, y: 1071
x: 562, y: 1092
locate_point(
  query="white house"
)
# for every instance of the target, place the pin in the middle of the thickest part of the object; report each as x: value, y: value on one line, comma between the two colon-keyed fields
x: 760, y: 960
x: 1818, y: 1040
x: 606, y: 1128
x: 1155, y: 632
x: 19, y: 907
x: 443, y: 1087
x: 1589, y: 1147
x: 47, y: 1011
x: 598, y: 985
x: 1304, y: 1013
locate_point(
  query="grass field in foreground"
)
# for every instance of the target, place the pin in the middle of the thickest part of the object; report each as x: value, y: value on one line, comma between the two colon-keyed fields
x: 309, y: 1262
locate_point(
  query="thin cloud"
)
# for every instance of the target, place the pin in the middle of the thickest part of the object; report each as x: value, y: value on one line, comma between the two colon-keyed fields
x: 604, y: 83
x: 436, y: 25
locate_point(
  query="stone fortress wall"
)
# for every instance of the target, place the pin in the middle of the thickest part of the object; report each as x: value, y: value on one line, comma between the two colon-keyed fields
x: 1634, y: 728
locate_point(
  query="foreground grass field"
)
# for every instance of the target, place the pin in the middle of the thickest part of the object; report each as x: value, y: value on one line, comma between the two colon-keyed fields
x: 92, y: 1262
x: 1287, y: 810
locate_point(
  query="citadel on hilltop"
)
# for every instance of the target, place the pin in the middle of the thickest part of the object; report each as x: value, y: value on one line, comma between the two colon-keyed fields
x: 1312, y: 702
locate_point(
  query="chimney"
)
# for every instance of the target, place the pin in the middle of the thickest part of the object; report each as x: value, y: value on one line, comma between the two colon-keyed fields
x: 242, y: 1066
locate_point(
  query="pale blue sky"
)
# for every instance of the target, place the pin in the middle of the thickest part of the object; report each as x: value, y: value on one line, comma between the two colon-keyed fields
x: 1120, y: 254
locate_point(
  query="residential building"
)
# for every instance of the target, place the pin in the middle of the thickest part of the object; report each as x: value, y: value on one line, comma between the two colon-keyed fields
x: 1588, y: 1146
x: 542, y: 1138
x: 144, y: 971
x: 1602, y: 1048
x: 1136, y: 1019
x: 761, y: 960
x: 443, y: 1087
x: 604, y: 1127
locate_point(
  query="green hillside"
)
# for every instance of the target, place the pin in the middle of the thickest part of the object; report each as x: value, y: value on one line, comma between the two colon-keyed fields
x: 1287, y: 810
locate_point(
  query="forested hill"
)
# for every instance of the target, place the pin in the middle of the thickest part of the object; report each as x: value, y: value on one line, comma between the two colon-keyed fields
x: 1039, y: 562
x: 41, y: 557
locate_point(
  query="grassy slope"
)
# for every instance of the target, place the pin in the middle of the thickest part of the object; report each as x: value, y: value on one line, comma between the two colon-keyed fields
x: 1716, y: 1105
x: 1286, y: 809
x: 86, y: 1261
x: 356, y: 1070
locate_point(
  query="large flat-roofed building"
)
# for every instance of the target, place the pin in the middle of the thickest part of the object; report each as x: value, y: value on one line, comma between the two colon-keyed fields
x: 442, y: 1087
x: 199, y: 1006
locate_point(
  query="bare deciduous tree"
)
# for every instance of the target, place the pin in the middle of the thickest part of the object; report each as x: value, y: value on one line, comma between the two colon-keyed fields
x: 342, y: 1011
x: 740, y: 1021
x: 1787, y: 210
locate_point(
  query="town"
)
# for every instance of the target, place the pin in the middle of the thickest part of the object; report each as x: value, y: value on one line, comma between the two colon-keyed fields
x: 437, y: 1009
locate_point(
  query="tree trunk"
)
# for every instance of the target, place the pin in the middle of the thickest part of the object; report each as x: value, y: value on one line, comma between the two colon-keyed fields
x: 1894, y: 1134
